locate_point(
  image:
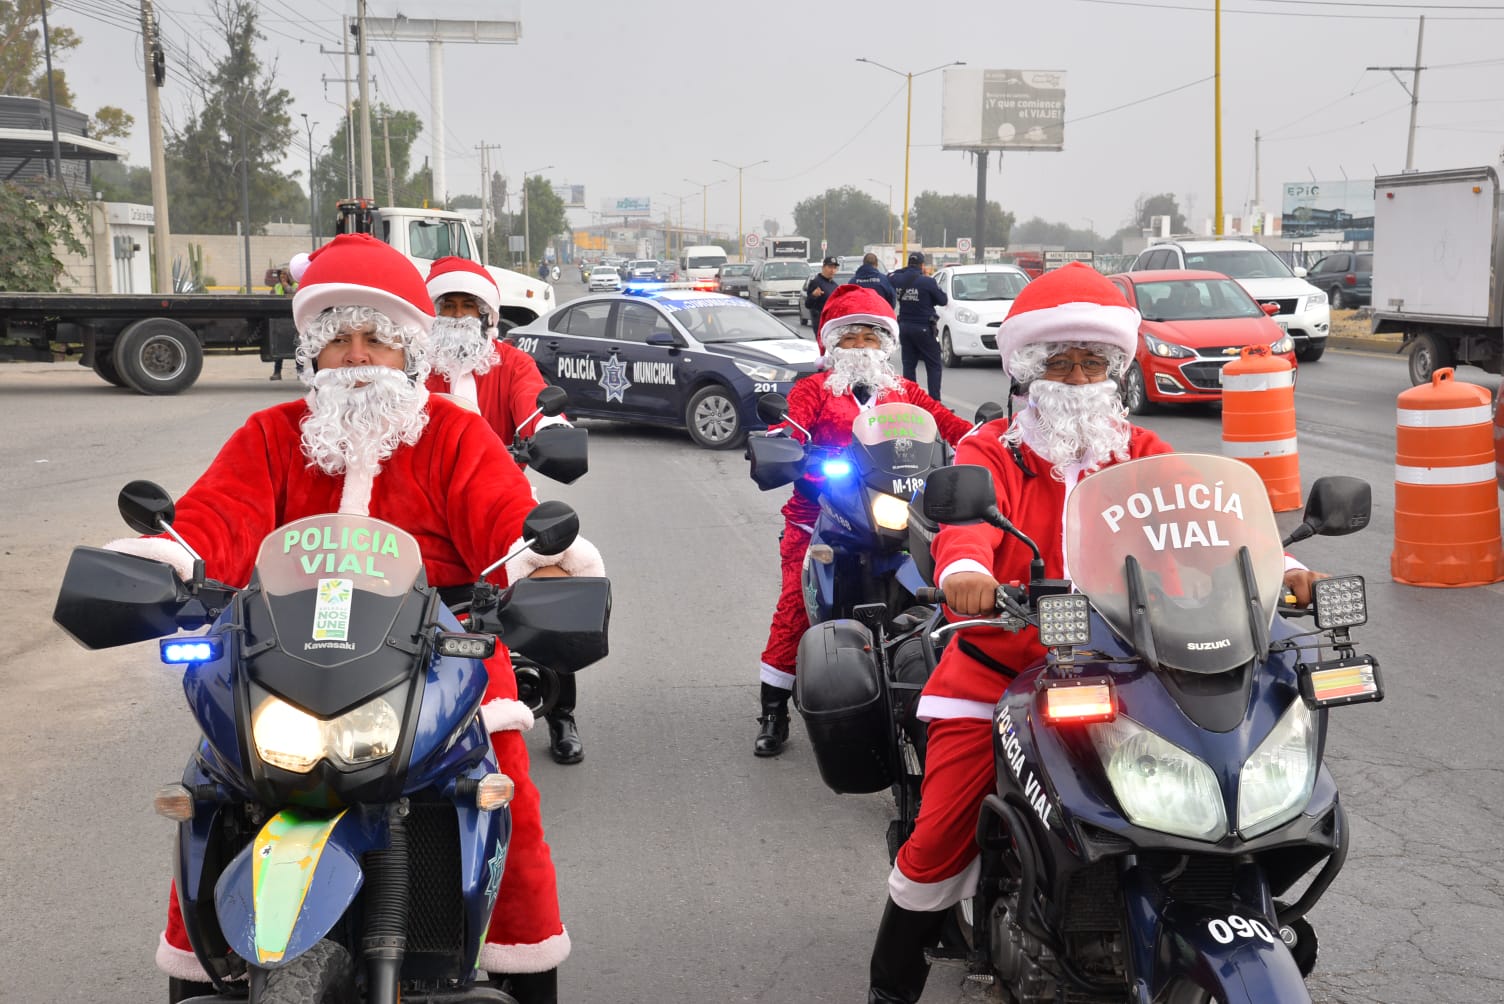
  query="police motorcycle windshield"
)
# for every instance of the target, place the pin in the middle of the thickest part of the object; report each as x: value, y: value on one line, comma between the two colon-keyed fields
x: 334, y: 584
x: 1184, y: 518
x: 895, y: 446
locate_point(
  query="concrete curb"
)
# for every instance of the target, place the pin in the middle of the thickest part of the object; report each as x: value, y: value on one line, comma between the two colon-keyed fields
x: 1383, y: 345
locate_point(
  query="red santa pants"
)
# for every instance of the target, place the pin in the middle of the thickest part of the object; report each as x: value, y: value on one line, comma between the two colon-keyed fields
x: 526, y: 934
x: 938, y: 865
x: 789, y: 618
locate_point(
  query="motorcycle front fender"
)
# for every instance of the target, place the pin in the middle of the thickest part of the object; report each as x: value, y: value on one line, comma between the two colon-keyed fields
x: 1203, y: 945
x: 287, y: 888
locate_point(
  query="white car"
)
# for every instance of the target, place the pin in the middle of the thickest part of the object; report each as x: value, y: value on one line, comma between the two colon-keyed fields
x: 604, y: 277
x: 980, y: 297
x: 1303, y: 309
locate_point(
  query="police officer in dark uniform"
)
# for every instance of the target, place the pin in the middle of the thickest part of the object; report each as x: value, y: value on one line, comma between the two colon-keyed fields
x: 868, y: 274
x: 817, y: 291
x: 918, y: 296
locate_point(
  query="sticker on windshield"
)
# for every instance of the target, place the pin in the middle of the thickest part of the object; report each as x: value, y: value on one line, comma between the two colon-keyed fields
x: 1178, y: 533
x: 331, y: 611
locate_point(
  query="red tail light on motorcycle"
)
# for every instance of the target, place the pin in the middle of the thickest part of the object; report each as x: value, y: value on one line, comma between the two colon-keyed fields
x: 1079, y: 702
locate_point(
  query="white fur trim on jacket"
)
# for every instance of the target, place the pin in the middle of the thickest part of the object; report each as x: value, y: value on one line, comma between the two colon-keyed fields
x: 582, y: 558
x: 355, y: 497
x: 539, y: 958
x: 775, y: 677
x: 463, y: 388
x: 932, y: 896
x: 505, y: 715
x: 1070, y: 322
x: 157, y: 549
x: 178, y: 964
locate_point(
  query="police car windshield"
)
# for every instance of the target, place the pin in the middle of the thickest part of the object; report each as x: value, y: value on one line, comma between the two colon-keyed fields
x: 719, y: 319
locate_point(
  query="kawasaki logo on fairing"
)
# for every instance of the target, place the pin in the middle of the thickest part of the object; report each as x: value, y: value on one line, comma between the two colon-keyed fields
x: 1014, y: 754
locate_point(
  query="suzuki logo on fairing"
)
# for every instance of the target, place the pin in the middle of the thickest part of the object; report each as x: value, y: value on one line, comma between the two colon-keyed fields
x: 1012, y: 751
x: 1208, y: 646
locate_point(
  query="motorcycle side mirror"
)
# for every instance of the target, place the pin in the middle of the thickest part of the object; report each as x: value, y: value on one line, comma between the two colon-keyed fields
x: 1337, y: 505
x: 962, y: 493
x: 145, y: 506
x: 552, y: 401
x: 772, y: 408
x: 552, y: 526
x: 989, y: 411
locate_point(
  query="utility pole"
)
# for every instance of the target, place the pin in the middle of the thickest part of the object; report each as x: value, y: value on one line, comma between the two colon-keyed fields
x: 313, y: 192
x: 741, y: 238
x: 1217, y: 226
x: 1258, y: 190
x: 485, y: 199
x: 704, y: 206
x: 156, y: 73
x: 1413, y: 90
x: 245, y: 196
x: 347, y: 80
x: 391, y: 176
x: 979, y: 240
x: 367, y: 183
x: 57, y: 155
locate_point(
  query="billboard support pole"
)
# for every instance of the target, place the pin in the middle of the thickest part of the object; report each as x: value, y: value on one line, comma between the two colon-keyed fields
x: 981, y: 225
x: 1217, y: 73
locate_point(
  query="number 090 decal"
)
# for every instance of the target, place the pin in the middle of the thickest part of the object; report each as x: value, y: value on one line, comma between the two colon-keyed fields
x: 1225, y: 932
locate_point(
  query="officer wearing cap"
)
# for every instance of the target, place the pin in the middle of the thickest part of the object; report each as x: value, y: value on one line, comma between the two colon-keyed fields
x: 818, y: 290
x: 918, y: 296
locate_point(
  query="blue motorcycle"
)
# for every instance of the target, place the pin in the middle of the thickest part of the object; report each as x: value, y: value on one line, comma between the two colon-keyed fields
x: 342, y: 825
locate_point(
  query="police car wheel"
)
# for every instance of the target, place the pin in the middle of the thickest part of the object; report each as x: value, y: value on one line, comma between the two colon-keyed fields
x: 712, y: 419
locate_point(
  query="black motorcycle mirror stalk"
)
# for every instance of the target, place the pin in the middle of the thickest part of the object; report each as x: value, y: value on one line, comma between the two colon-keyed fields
x: 147, y: 508
x: 549, y: 529
x: 774, y: 408
x: 551, y: 402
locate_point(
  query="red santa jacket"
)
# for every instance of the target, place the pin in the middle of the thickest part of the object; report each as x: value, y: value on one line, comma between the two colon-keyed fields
x: 450, y: 490
x: 965, y: 687
x: 828, y: 417
x: 507, y: 393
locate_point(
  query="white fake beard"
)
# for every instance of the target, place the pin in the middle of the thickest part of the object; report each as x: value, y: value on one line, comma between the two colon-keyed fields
x: 355, y: 428
x: 860, y: 368
x: 1068, y: 423
x: 458, y: 346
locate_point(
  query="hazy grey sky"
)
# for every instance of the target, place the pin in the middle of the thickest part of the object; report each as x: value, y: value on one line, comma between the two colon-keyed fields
x: 628, y: 97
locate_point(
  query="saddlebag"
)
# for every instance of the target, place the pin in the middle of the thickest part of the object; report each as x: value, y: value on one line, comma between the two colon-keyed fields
x: 843, y: 700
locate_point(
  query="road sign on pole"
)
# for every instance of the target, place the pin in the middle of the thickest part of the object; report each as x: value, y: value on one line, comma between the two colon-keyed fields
x: 824, y: 246
x: 753, y: 240
x: 963, y: 244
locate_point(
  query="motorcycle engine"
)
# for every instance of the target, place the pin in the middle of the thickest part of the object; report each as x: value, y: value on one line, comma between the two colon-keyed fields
x: 1019, y: 958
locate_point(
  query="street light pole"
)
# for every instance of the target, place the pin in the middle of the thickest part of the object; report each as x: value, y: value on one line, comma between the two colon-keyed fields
x: 907, y: 133
x: 740, y: 236
x: 313, y: 195
x: 704, y: 203
x: 890, y: 206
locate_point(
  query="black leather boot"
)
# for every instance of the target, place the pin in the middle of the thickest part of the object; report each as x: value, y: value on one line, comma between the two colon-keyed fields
x: 563, y: 736
x: 899, y: 968
x: 181, y: 990
x: 774, y: 733
x: 530, y: 988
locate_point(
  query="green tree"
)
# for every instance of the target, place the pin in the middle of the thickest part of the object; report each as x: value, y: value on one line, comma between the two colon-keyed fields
x: 546, y: 217
x: 1039, y: 231
x: 939, y: 219
x: 847, y: 217
x: 332, y: 174
x: 770, y: 227
x: 241, y: 116
x: 119, y: 182
x: 35, y: 226
x: 1163, y: 204
x: 23, y: 64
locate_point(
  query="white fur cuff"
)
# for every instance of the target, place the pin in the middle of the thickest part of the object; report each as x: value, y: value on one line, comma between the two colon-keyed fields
x: 537, y: 958
x: 178, y: 964
x: 157, y: 549
x: 505, y: 715
x: 581, y: 559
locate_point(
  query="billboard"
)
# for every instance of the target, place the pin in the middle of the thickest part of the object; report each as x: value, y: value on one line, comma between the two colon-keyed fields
x: 1003, y: 110
x: 573, y: 196
x: 1324, y: 207
x: 628, y: 206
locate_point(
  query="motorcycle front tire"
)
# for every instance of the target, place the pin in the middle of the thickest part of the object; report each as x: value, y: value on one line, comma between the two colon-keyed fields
x: 325, y: 974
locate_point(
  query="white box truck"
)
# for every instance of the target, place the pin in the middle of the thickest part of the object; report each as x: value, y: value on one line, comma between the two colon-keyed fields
x: 1438, y: 275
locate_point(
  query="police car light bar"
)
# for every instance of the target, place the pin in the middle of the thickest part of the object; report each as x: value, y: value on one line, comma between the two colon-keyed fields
x: 180, y: 651
x: 1079, y: 702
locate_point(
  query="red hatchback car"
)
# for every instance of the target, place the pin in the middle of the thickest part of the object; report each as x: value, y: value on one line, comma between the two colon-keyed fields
x: 1194, y: 324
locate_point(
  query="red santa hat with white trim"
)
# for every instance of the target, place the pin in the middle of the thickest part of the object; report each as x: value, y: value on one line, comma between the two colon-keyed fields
x: 1074, y: 303
x: 357, y: 270
x: 853, y: 304
x: 461, y: 275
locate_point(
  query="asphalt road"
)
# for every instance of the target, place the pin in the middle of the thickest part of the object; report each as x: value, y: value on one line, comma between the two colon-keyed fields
x: 690, y: 871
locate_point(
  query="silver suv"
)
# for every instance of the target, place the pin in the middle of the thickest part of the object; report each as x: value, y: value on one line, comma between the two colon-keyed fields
x: 1303, y: 310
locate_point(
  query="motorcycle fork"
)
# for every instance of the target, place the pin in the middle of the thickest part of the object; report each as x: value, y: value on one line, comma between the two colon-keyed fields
x: 388, y: 896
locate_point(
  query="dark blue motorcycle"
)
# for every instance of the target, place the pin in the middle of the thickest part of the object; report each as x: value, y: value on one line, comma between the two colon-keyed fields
x: 343, y: 827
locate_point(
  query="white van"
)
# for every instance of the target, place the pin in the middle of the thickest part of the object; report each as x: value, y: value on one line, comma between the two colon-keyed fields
x: 702, y: 261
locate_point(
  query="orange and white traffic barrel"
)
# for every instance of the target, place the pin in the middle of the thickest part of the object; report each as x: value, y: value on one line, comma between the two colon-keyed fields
x: 1258, y: 422
x: 1446, y: 505
x: 1499, y: 438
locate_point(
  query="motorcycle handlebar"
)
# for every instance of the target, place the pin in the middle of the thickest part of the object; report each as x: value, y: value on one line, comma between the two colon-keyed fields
x: 929, y: 594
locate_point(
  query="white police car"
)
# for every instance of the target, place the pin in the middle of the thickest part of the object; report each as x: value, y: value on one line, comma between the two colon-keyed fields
x: 668, y: 355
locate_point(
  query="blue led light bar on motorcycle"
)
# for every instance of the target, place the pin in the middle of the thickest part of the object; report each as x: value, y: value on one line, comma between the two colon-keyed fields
x: 836, y: 468
x: 179, y: 651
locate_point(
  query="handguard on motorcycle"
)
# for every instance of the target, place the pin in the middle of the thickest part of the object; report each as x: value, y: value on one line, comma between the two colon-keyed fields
x: 1337, y: 505
x: 109, y: 598
x: 560, y: 452
x: 963, y: 493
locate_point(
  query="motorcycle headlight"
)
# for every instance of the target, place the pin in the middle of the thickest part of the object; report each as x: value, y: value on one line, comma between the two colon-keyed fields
x: 1159, y: 785
x: 765, y: 372
x: 1166, y: 350
x: 890, y: 512
x: 1276, y: 781
x: 294, y: 740
x: 967, y: 316
x: 1285, y: 344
